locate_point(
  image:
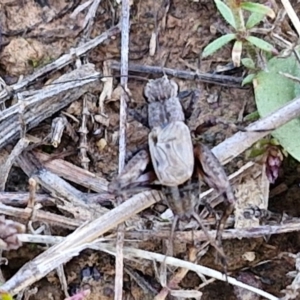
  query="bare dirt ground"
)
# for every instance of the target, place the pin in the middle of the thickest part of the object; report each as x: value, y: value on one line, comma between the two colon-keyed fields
x: 35, y: 33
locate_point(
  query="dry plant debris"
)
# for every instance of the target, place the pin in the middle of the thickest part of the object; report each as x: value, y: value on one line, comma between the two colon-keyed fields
x: 66, y: 126
x: 9, y: 231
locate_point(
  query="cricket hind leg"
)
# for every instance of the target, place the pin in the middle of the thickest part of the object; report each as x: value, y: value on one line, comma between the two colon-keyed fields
x: 229, y: 200
x: 169, y: 251
x: 131, y: 172
x: 170, y: 248
x: 210, y: 170
x: 172, y: 197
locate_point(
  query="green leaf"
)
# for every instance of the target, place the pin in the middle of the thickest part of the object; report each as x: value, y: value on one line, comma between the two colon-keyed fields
x: 248, y: 79
x: 5, y: 296
x: 255, y: 152
x: 248, y: 63
x: 254, y: 19
x: 261, y: 44
x: 258, y: 8
x: 217, y: 44
x: 226, y: 12
x: 274, y: 142
x: 252, y: 116
x: 272, y: 91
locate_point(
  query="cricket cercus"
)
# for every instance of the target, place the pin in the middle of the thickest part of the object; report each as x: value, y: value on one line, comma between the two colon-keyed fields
x: 174, y: 159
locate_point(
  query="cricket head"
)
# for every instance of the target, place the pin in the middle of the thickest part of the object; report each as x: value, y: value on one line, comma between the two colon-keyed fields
x: 160, y: 89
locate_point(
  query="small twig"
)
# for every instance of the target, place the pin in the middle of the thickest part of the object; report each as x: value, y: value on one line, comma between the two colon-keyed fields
x: 184, y: 236
x: 65, y: 59
x: 83, y: 145
x: 124, y: 80
x: 73, y: 173
x: 292, y: 15
x: 239, y: 142
x: 90, y: 16
x: 21, y: 199
x: 77, y: 241
x: 32, y: 193
x: 177, y: 277
x: 5, y: 167
x: 125, y: 27
x: 228, y: 234
x: 228, y: 81
x: 141, y: 281
x: 57, y: 129
x: 45, y: 102
x: 21, y: 109
x: 53, y: 183
x: 75, y: 79
x: 40, y: 239
x: 42, y: 216
x: 131, y: 253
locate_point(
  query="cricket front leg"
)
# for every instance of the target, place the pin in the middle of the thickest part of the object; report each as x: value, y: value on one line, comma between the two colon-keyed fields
x: 132, y: 172
x: 188, y: 100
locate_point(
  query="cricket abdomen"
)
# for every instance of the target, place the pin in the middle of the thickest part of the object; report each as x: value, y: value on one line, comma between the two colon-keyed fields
x: 183, y: 200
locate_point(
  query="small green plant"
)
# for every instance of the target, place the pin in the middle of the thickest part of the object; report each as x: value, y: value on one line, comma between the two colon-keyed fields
x: 271, y: 154
x: 233, y: 14
x: 272, y: 90
x: 5, y: 296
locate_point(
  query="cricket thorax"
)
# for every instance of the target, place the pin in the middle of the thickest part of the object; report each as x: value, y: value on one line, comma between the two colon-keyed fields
x: 162, y: 109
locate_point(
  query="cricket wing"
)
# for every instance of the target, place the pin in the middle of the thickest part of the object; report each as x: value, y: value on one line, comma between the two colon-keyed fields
x: 171, y: 152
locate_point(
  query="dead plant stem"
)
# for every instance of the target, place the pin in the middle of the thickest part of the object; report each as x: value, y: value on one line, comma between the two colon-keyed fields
x: 122, y: 139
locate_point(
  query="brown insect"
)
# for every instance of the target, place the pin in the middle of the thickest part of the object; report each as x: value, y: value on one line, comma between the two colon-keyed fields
x: 174, y: 160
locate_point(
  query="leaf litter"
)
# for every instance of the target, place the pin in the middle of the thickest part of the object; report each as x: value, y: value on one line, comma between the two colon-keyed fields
x: 33, y: 41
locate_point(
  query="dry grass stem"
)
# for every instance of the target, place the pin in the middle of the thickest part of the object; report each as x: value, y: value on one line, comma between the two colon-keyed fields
x: 249, y: 233
x: 188, y: 237
x: 125, y: 28
x: 73, y: 173
x: 45, y: 102
x: 241, y: 141
x: 225, y: 80
x: 63, y: 60
x: 77, y: 241
x: 292, y: 15
x: 5, y: 167
x: 108, y: 220
x: 131, y: 253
